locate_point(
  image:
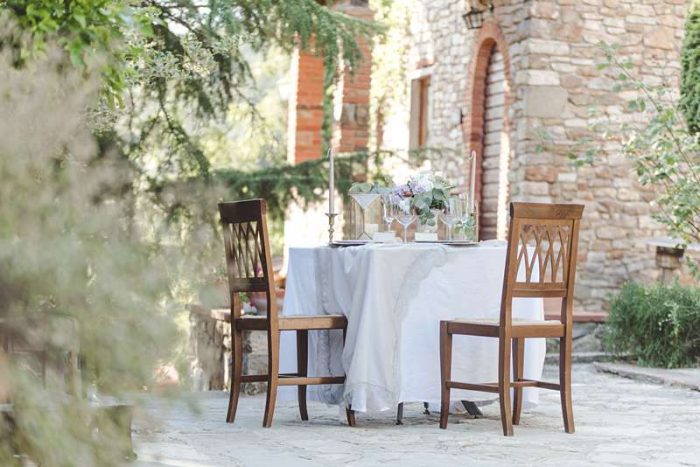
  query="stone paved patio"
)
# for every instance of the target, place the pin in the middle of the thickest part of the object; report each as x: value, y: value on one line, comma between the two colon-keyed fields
x: 619, y: 422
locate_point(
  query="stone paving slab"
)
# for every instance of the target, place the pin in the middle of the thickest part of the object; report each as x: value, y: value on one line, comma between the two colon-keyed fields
x: 619, y: 422
x: 680, y: 377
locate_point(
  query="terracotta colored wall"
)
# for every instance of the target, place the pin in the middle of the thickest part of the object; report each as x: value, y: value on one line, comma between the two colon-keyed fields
x: 351, y: 131
x: 305, y: 107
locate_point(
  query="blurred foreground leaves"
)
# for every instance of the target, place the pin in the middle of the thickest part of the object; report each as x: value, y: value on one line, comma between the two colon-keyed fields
x: 73, y: 273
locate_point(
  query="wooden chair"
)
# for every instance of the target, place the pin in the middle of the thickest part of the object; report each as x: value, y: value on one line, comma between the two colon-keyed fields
x: 250, y: 270
x: 542, y: 244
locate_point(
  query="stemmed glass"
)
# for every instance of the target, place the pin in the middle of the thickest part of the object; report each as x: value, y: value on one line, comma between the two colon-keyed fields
x: 389, y: 211
x: 466, y: 217
x: 452, y: 214
x: 405, y: 215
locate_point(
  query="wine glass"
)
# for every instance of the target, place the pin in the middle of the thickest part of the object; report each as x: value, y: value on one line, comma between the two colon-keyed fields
x: 452, y: 214
x: 389, y: 211
x: 405, y: 215
x: 467, y: 216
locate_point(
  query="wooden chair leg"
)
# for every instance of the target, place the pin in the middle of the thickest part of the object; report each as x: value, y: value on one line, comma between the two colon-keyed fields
x: 518, y: 367
x: 273, y: 372
x: 236, y: 372
x: 504, y: 385
x: 472, y: 409
x: 565, y: 383
x: 350, y: 414
x: 302, y: 369
x: 445, y: 373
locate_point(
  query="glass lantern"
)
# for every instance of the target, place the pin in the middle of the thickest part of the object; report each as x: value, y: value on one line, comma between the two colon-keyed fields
x: 366, y: 215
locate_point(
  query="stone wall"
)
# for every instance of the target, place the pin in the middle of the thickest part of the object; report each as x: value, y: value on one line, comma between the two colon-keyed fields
x: 557, y: 88
x: 209, y: 351
x: 553, y: 49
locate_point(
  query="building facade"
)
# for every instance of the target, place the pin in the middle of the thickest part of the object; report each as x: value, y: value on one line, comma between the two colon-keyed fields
x: 523, y: 91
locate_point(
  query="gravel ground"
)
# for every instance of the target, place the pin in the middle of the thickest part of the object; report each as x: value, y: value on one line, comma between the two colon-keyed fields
x: 618, y: 421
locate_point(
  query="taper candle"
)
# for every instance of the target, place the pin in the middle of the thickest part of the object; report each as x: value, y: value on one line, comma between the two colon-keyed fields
x: 472, y: 183
x: 331, y: 182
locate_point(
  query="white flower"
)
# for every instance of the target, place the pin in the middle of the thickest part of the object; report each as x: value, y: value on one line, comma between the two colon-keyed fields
x: 423, y: 182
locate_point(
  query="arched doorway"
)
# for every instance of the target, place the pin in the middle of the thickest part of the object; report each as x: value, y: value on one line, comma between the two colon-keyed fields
x: 489, y: 130
x: 494, y: 188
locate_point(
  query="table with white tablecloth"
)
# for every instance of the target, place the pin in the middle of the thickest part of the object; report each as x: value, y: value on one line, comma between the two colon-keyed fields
x: 394, y: 296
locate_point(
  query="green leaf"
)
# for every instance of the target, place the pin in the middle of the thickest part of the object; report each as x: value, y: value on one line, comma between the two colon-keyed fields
x: 80, y: 18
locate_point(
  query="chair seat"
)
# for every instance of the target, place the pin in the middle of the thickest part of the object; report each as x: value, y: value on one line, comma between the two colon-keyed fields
x: 304, y: 322
x: 489, y: 327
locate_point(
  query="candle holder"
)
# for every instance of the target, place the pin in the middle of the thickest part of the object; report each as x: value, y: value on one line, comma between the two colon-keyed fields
x: 331, y: 221
x: 364, y: 201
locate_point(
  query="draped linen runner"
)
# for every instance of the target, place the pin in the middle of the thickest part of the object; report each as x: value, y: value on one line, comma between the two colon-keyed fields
x: 394, y: 297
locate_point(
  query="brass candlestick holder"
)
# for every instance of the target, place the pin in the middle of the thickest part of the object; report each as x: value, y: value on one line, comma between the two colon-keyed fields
x: 331, y: 221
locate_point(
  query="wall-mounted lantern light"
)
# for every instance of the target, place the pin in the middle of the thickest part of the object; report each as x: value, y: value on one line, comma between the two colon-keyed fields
x: 474, y: 18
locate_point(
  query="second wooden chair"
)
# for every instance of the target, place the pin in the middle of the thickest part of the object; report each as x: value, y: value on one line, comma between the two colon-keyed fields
x: 540, y: 262
x: 249, y: 271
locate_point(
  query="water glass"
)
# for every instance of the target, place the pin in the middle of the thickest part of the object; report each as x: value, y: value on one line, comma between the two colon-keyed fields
x: 452, y: 214
x: 405, y: 215
x: 467, y: 219
x: 389, y: 211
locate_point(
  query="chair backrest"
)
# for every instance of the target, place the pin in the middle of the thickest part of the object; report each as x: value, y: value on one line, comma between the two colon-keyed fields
x: 247, y: 246
x: 541, y: 258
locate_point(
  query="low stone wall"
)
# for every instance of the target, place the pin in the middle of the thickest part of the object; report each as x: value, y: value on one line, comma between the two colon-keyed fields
x: 210, y: 351
x: 46, y: 348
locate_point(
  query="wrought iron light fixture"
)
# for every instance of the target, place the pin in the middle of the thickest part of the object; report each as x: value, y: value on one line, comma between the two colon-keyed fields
x: 474, y: 18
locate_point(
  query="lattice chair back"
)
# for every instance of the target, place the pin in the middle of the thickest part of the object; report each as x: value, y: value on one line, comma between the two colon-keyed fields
x: 247, y: 245
x: 542, y: 250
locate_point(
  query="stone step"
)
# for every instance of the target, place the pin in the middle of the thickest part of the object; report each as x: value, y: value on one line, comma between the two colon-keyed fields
x: 688, y: 378
x: 552, y: 358
x: 552, y: 310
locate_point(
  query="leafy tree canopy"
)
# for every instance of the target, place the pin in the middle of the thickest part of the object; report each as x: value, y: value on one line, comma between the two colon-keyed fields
x: 173, y: 66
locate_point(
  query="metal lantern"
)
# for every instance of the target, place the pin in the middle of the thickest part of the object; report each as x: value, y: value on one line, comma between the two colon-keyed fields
x: 474, y: 18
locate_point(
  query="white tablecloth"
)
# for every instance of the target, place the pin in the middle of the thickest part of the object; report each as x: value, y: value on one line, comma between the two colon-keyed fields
x: 394, y: 297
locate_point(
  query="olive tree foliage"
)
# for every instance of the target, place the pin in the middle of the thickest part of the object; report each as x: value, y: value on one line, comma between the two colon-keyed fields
x: 73, y: 278
x: 174, y: 67
x: 172, y: 71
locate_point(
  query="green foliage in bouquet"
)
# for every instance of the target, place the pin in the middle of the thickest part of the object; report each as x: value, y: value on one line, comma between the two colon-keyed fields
x: 426, y: 192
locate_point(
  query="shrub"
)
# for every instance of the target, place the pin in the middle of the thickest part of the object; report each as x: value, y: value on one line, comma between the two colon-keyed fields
x: 690, y: 71
x: 658, y: 324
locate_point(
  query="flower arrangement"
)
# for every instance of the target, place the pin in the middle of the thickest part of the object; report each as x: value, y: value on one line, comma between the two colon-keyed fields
x: 425, y: 192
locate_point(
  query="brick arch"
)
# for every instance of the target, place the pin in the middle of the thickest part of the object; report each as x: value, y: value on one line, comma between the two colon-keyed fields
x: 490, y: 36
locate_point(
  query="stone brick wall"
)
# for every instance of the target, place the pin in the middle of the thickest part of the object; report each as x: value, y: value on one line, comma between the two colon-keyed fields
x: 351, y: 126
x: 552, y: 49
x: 209, y: 351
x: 556, y: 89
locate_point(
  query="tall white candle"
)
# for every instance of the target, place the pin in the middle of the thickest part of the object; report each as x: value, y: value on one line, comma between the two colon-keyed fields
x: 472, y: 183
x: 331, y: 182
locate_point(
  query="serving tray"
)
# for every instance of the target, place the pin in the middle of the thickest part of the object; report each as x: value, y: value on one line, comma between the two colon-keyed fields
x: 450, y: 242
x: 339, y: 243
